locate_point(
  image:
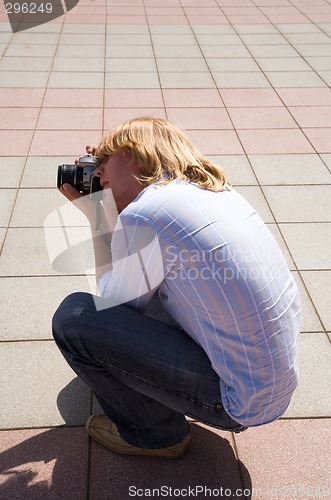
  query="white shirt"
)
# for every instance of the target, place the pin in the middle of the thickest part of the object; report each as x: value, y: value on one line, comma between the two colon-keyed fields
x: 221, y: 275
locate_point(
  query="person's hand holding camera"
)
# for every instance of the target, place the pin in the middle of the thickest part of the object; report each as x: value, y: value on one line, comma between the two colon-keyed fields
x: 77, y: 181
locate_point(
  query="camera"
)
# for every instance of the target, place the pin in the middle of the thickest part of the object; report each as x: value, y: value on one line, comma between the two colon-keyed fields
x: 81, y: 176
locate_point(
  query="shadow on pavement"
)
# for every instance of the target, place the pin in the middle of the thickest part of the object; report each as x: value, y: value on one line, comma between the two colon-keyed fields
x: 56, y: 463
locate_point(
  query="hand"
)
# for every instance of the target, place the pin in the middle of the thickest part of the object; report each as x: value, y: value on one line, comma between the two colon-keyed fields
x: 81, y: 201
x: 90, y: 150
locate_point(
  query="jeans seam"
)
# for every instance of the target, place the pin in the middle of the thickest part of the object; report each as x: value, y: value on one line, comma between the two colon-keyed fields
x: 153, y: 384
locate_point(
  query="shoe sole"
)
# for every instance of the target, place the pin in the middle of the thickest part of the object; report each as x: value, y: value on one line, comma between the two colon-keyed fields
x: 117, y: 448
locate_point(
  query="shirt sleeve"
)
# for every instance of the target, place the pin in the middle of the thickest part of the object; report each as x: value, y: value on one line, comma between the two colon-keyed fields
x: 137, y: 264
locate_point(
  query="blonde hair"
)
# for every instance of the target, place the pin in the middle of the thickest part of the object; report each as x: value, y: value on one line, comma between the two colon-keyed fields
x: 163, y: 152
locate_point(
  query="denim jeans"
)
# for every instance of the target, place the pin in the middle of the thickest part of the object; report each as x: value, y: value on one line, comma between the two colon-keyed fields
x: 146, y: 374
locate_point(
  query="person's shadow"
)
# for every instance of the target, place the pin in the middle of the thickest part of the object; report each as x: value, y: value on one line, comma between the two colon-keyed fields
x: 62, y: 463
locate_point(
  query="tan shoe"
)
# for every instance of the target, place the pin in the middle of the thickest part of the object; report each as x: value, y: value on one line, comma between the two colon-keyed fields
x: 105, y: 432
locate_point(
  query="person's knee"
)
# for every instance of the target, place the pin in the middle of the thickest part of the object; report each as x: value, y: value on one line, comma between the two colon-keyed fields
x: 69, y: 314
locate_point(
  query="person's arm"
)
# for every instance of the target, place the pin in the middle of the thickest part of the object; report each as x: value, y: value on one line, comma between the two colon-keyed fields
x: 102, y: 217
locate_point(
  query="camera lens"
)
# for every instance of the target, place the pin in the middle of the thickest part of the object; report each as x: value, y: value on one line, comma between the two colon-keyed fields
x: 71, y: 174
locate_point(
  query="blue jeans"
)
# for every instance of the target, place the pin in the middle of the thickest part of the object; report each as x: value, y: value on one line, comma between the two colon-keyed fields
x: 146, y: 374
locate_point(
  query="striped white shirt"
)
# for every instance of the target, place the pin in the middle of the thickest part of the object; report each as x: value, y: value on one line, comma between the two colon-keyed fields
x: 221, y: 275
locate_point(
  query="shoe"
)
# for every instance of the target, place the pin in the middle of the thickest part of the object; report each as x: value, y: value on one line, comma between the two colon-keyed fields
x: 105, y: 432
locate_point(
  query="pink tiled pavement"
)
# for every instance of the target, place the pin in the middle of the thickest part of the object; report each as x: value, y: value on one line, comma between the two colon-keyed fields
x: 264, y: 115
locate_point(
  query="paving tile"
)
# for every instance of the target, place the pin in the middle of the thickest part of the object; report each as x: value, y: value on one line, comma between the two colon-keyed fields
x: 7, y: 197
x: 35, y: 38
x: 299, y: 203
x: 309, y: 244
x: 18, y: 142
x: 242, y: 80
x: 290, y: 169
x: 283, y: 64
x: 254, y: 196
x: 133, y: 98
x: 48, y: 390
x: 80, y: 51
x: 326, y: 76
x: 306, y: 96
x: 237, y: 19
x: 28, y: 50
x: 272, y: 51
x: 132, y: 80
x: 327, y: 160
x: 26, y: 63
x: 275, y: 141
x: 310, y: 321
x: 212, y: 28
x: 255, y: 28
x: 173, y: 39
x: 320, y: 138
x: 186, y: 80
x: 128, y: 39
x: 60, y: 251
x: 314, y: 50
x: 169, y: 11
x: 273, y: 228
x: 83, y: 28
x: 216, y: 142
x: 294, y: 79
x: 312, y: 116
x: 58, y: 142
x: 210, y: 462
x: 307, y: 38
x: 66, y: 64
x: 263, y: 39
x: 193, y: 64
x: 297, y: 28
x: 128, y: 64
x: 11, y: 169
x: 34, y: 205
x: 264, y: 118
x: 289, y: 444
x: 311, y: 398
x: 192, y: 98
x: 70, y: 119
x: 319, y: 63
x: 21, y: 97
x: 113, y: 117
x: 200, y: 118
x: 3, y: 232
x: 236, y: 64
x: 237, y: 169
x: 219, y: 39
x: 81, y: 39
x: 137, y: 51
x: 170, y: 28
x: 73, y: 98
x: 250, y: 97
x: 231, y: 51
x: 41, y: 172
x: 318, y: 285
x: 19, y: 299
x: 82, y: 80
x: 44, y: 463
x: 33, y: 79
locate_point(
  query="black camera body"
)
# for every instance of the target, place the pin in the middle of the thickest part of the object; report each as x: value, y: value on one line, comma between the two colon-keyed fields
x: 81, y: 176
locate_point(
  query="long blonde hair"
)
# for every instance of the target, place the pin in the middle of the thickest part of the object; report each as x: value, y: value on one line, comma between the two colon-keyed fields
x: 163, y: 152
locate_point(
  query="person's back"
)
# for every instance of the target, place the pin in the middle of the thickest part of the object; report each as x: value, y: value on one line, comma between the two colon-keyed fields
x: 227, y: 284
